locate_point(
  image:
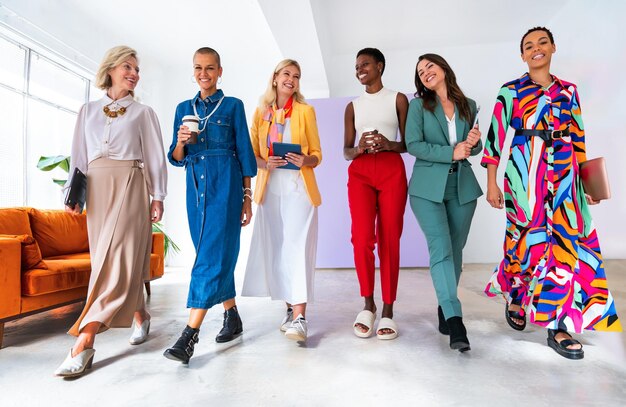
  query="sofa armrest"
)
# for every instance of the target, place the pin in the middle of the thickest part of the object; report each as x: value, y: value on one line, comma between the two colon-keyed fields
x: 10, y: 277
x: 158, y: 243
x: 158, y: 248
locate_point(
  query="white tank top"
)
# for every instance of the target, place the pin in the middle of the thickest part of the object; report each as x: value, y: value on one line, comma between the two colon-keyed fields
x: 378, y: 111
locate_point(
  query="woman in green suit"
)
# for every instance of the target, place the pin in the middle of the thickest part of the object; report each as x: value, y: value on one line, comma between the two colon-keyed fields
x: 443, y: 189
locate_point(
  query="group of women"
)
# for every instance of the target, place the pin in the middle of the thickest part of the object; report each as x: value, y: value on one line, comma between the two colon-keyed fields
x: 552, y: 271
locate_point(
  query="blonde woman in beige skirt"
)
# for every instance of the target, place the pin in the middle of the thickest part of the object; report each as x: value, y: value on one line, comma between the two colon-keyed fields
x: 118, y: 145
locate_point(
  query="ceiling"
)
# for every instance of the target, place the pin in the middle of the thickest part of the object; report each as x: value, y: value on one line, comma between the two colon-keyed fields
x: 253, y: 34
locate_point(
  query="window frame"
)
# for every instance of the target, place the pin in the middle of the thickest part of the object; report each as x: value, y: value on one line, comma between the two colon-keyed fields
x: 56, y: 60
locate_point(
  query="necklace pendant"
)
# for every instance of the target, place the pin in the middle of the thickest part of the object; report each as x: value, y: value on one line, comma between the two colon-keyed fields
x: 113, y: 113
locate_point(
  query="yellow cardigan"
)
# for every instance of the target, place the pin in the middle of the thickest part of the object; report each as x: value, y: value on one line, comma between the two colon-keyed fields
x: 303, y: 132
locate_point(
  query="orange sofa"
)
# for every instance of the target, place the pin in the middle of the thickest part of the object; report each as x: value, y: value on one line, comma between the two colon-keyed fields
x: 44, y: 261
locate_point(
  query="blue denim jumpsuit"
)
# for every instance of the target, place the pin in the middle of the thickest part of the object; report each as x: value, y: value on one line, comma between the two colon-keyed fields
x: 215, y: 167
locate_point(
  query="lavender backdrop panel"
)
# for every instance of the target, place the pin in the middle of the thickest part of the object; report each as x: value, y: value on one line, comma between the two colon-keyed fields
x: 334, y: 249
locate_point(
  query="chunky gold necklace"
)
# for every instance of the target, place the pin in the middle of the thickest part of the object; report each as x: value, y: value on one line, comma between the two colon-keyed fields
x: 113, y: 113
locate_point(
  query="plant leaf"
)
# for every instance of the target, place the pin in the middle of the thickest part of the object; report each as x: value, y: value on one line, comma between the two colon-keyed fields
x: 60, y: 182
x: 168, y: 242
x: 51, y: 162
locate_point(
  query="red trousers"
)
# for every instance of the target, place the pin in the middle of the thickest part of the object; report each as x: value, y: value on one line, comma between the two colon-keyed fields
x: 377, y: 193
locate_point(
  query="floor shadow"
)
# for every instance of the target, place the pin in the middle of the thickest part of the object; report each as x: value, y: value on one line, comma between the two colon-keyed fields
x: 112, y: 359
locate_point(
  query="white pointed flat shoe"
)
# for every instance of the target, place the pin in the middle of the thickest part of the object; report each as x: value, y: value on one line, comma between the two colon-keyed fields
x: 140, y: 333
x: 76, y: 366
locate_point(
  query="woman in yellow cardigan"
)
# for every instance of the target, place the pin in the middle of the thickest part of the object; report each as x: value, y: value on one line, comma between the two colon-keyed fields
x: 281, y: 263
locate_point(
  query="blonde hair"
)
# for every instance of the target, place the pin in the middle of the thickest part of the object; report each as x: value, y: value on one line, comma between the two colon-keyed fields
x: 113, y: 58
x: 269, y: 97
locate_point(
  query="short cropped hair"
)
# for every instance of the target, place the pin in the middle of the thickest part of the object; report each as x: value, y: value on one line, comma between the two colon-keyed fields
x: 374, y: 53
x: 209, y: 51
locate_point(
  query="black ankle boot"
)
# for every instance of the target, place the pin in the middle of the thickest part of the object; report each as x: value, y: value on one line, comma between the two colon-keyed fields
x: 183, y: 348
x: 458, y: 334
x: 232, y: 326
x: 443, y: 325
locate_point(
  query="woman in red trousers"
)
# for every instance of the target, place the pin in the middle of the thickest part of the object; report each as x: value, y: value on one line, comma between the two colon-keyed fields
x: 377, y: 188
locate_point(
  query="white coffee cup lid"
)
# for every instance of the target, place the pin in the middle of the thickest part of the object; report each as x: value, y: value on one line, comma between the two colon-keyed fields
x: 191, y: 117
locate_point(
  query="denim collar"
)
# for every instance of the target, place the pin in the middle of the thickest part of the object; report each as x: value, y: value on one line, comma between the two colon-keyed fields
x: 211, y: 99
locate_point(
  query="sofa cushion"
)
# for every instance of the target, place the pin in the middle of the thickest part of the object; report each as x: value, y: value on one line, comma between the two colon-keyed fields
x: 58, y: 232
x: 72, y: 256
x: 15, y: 221
x: 62, y: 274
x: 30, y: 254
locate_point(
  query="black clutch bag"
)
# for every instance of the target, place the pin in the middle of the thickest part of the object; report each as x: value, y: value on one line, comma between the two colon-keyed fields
x: 77, y: 193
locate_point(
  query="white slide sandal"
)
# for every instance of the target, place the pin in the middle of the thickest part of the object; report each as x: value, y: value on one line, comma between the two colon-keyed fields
x: 387, y: 323
x: 367, y: 319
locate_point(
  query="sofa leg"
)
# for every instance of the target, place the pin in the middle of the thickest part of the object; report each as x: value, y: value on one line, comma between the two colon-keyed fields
x: 147, y: 284
x: 1, y: 333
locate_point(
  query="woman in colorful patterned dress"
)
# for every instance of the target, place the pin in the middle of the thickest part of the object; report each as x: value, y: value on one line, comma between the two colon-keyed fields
x: 552, y: 268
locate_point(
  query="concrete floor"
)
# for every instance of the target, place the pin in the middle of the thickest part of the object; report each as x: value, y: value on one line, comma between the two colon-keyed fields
x: 263, y: 368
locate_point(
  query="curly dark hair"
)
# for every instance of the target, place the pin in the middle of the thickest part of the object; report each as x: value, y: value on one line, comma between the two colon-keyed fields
x: 455, y: 94
x: 550, y: 36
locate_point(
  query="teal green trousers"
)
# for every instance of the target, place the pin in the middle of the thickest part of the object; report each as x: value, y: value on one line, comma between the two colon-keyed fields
x: 446, y: 226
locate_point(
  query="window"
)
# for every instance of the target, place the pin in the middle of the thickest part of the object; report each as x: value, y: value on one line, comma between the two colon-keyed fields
x: 39, y: 101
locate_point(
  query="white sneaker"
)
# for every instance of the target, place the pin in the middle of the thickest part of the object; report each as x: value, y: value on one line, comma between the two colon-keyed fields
x: 286, y: 322
x: 297, y: 329
x: 140, y: 333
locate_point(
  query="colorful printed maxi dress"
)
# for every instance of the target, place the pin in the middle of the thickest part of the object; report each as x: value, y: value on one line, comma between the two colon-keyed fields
x: 552, y: 263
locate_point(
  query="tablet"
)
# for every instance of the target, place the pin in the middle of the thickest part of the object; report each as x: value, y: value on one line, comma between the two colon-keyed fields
x: 281, y: 149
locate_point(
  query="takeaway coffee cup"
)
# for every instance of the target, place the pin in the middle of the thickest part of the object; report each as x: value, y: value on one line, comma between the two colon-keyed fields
x: 192, y: 122
x: 369, y: 134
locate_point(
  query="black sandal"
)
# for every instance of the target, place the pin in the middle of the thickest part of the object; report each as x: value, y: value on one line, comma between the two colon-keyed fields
x: 562, y: 347
x: 514, y: 314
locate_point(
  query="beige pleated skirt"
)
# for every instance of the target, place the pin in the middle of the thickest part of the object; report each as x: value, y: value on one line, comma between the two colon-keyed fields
x: 118, y: 222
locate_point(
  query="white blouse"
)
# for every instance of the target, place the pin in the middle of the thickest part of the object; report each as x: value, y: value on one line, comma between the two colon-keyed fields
x: 452, y: 129
x: 135, y: 135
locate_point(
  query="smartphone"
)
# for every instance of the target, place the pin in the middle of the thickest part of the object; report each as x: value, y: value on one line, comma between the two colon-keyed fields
x: 475, y: 125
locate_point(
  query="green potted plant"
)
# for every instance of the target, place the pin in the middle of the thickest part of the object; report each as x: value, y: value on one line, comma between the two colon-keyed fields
x: 63, y: 162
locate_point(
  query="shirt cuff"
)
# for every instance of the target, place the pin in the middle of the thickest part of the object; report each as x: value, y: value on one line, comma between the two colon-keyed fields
x: 489, y: 160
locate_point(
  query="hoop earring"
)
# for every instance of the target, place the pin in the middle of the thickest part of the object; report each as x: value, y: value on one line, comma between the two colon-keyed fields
x: 219, y: 80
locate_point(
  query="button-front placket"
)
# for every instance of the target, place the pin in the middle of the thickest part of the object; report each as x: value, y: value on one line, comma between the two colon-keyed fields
x: 106, y: 138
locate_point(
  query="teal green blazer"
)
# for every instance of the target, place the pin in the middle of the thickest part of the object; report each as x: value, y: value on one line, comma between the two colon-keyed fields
x: 427, y: 140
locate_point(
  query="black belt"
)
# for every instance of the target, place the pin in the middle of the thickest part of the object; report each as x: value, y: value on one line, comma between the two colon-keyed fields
x: 453, y: 168
x: 545, y: 135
